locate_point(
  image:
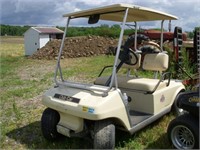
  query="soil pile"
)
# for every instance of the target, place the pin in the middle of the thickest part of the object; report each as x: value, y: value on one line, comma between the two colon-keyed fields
x: 77, y: 47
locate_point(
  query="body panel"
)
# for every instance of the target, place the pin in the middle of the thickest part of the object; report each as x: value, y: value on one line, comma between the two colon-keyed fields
x: 91, y: 106
x: 154, y: 103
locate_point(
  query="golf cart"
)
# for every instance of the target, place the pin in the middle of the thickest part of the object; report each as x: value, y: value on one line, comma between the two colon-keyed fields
x: 183, y: 131
x: 126, y: 102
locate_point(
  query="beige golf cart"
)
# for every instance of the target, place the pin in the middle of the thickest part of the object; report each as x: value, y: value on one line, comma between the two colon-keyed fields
x: 126, y: 102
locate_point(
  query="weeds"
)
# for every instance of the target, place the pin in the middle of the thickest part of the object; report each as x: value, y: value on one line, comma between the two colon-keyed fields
x: 16, y: 111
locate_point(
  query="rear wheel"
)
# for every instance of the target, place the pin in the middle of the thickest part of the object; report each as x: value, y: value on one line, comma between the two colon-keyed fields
x: 183, y: 132
x: 49, y: 120
x: 104, y: 135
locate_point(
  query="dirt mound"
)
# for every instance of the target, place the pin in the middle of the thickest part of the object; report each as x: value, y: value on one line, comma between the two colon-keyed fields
x: 77, y: 47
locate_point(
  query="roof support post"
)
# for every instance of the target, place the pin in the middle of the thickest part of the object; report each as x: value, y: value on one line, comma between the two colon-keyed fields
x: 135, y: 40
x: 161, y: 36
x: 114, y: 76
x: 60, y: 53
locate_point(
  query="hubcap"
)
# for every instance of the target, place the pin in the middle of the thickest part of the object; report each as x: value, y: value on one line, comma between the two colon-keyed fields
x: 180, y: 110
x: 182, y: 137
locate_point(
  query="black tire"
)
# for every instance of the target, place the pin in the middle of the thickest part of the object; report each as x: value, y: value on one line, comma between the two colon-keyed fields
x: 104, y: 135
x: 49, y: 120
x: 183, y: 132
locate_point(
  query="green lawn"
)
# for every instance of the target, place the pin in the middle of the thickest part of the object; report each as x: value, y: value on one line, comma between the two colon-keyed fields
x: 23, y: 82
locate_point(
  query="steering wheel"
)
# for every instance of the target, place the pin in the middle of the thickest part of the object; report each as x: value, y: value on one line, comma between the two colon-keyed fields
x: 126, y: 56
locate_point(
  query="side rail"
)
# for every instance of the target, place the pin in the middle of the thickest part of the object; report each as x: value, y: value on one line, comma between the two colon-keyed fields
x: 90, y: 87
x: 162, y: 78
x: 104, y: 69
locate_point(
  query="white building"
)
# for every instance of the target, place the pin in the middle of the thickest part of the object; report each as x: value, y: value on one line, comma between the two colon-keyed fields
x: 36, y: 37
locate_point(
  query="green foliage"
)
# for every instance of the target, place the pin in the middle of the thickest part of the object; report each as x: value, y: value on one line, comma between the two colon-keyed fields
x: 102, y: 30
x: 187, y: 65
x: 191, y: 34
x: 13, y: 30
x: 196, y: 29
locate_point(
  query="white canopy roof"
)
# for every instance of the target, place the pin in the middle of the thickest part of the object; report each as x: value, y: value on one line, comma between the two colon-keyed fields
x: 116, y: 13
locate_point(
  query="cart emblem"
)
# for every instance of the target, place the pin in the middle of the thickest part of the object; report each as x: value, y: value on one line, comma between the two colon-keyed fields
x: 87, y: 109
x: 67, y: 98
x: 162, y: 99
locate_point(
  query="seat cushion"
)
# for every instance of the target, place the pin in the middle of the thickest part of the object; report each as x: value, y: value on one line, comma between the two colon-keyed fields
x: 142, y: 84
x: 156, y: 62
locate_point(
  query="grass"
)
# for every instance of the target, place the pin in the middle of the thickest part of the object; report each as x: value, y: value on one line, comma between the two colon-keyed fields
x: 23, y: 82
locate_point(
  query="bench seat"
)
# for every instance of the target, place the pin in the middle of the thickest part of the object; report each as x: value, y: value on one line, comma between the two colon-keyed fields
x: 154, y: 62
x: 142, y: 84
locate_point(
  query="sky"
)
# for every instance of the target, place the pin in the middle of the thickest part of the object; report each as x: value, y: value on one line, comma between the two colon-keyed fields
x: 49, y: 12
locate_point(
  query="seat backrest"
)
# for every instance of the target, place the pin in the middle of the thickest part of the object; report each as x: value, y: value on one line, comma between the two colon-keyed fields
x: 133, y: 59
x: 156, y: 62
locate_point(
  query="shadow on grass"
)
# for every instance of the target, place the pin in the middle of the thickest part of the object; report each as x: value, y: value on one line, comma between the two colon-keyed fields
x: 31, y: 136
x: 122, y: 138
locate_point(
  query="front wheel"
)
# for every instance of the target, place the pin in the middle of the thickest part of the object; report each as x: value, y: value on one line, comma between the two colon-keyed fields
x: 183, y: 132
x: 49, y: 120
x: 104, y: 135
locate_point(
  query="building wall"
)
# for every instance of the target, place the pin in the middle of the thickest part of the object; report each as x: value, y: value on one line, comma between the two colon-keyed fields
x: 31, y: 41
